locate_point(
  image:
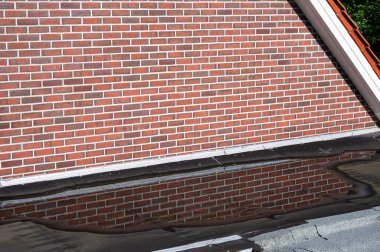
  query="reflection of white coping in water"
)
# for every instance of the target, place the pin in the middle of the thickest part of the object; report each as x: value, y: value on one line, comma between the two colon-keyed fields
x: 202, y: 244
x: 357, y: 231
x: 194, y: 156
x: 141, y: 182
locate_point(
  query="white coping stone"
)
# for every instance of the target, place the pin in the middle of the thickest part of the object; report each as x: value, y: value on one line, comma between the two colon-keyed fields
x: 201, y: 244
x: 197, y: 155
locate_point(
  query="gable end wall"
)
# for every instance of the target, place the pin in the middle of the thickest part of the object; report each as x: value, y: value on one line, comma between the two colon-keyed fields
x: 86, y: 84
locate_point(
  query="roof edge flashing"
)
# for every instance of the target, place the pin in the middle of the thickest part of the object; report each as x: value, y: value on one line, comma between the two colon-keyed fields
x: 344, y: 48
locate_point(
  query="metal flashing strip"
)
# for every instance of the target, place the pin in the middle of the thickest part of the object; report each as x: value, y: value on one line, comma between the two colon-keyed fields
x: 344, y: 48
x: 194, y: 156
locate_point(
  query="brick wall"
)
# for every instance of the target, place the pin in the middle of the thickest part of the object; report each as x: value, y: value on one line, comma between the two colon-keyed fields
x: 216, y: 198
x: 90, y: 83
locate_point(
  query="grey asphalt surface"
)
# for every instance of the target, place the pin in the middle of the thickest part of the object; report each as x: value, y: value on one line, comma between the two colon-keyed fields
x: 357, y: 231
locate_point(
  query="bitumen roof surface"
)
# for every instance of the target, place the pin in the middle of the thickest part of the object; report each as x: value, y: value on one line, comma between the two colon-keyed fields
x: 339, y: 224
x: 314, y: 149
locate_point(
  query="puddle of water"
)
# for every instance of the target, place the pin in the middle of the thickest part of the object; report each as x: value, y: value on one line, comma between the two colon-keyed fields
x: 366, y: 171
x: 209, y: 198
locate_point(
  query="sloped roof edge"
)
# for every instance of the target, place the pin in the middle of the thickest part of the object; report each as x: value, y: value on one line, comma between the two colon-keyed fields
x: 348, y: 46
x: 355, y: 33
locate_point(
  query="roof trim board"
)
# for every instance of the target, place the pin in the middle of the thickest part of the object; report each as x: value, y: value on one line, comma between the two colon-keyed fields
x: 355, y: 33
x: 347, y: 50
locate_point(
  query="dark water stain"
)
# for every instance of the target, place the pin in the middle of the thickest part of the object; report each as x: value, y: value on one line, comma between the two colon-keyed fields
x: 218, y: 197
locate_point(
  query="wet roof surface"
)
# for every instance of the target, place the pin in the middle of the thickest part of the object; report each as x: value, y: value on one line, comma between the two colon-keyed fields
x: 219, y: 197
x: 171, y: 209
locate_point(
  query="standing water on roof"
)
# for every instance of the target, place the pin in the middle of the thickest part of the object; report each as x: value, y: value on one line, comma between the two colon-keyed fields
x: 201, y: 198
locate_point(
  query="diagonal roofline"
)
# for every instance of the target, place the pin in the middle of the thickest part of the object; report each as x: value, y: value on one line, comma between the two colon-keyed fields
x: 355, y: 33
x: 352, y: 51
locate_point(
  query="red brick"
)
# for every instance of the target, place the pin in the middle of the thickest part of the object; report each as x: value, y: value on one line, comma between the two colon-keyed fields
x: 172, y: 73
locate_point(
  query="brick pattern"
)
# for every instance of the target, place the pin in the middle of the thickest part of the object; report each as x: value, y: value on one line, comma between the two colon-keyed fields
x: 221, y: 197
x: 91, y: 83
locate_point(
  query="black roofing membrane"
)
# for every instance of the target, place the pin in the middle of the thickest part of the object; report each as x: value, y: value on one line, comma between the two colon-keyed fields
x: 245, y: 194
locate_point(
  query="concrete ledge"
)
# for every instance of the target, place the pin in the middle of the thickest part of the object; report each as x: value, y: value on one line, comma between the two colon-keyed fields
x: 303, y: 147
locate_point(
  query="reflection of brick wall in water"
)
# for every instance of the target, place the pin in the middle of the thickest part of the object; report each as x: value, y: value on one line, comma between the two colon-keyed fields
x: 221, y: 196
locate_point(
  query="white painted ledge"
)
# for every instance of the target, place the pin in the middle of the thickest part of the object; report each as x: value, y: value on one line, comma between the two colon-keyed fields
x: 194, y: 156
x: 334, y: 34
x: 201, y: 244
